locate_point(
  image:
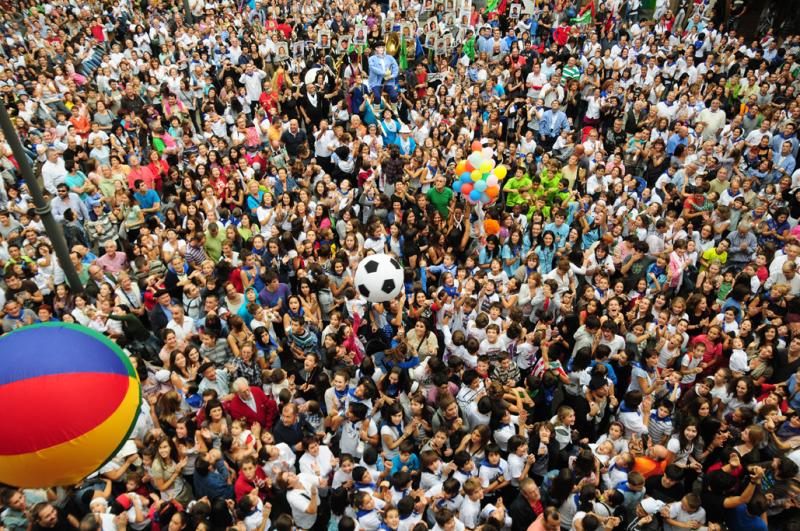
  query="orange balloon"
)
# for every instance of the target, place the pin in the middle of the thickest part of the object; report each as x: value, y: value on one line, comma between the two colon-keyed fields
x: 476, y: 145
x: 460, y: 167
x: 492, y: 191
x: 467, y: 167
x: 491, y: 226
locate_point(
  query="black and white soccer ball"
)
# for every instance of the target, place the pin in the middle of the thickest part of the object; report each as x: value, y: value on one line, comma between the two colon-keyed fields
x: 379, y: 278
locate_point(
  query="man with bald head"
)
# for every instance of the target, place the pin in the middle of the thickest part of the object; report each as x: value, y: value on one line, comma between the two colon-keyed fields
x: 294, y: 138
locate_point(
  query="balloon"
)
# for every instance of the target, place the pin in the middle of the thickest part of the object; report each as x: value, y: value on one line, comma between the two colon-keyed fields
x: 476, y: 145
x: 457, y: 186
x: 460, y: 167
x: 492, y: 180
x: 492, y: 191
x: 486, y: 166
x: 466, y: 177
x: 501, y: 171
x: 488, y: 152
x: 485, y: 198
x: 379, y: 278
x: 475, y: 159
x: 477, y: 175
x: 480, y: 186
x: 491, y: 226
x: 468, y: 167
x: 466, y: 188
x: 73, y: 397
x: 475, y: 195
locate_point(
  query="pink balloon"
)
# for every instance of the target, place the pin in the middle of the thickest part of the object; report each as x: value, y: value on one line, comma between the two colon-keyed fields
x: 491, y: 180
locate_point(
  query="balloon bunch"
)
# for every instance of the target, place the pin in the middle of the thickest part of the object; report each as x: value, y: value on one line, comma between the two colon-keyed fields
x: 478, y: 176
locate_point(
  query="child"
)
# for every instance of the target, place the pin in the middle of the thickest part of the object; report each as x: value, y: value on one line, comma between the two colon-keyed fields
x: 408, y: 516
x: 616, y: 434
x: 401, y: 486
x: 690, y: 364
x: 391, y: 519
x: 631, y: 417
x: 493, y: 472
x: 659, y: 429
x: 367, y: 508
x: 465, y: 467
x: 563, y: 422
x: 725, y: 286
x: 619, y: 469
x: 739, y: 364
x: 244, y: 442
x: 311, y: 413
x: 343, y: 477
x: 471, y: 506
x: 683, y: 514
x: 493, y: 346
x: 526, y: 353
x: 657, y: 274
x: 519, y: 461
x: 454, y: 346
x: 406, y: 460
x: 603, y: 452
x: 432, y: 469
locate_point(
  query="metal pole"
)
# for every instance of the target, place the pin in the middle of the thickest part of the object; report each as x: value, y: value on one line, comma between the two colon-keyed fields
x: 51, y: 226
x: 187, y: 13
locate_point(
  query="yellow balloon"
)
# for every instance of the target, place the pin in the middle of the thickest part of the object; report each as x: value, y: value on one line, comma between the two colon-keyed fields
x: 486, y: 166
x: 476, y: 175
x: 500, y: 171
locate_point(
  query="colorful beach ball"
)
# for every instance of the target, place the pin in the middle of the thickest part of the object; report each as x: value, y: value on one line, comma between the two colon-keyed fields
x: 70, y: 398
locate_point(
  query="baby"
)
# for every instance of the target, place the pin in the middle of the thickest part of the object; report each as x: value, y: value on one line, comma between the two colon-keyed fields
x: 244, y: 442
x: 604, y: 452
x: 739, y: 364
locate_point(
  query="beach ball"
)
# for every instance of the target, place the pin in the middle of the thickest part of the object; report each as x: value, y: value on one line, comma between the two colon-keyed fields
x: 379, y: 278
x: 70, y: 400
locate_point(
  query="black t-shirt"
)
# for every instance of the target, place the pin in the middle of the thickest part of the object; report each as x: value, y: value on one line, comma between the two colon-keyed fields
x: 660, y: 492
x: 714, y: 504
x: 27, y: 289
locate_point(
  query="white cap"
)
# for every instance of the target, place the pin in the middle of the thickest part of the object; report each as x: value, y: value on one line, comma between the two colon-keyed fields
x: 652, y: 505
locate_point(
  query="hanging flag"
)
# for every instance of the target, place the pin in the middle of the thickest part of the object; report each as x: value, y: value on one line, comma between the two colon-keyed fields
x: 469, y: 48
x: 491, y: 6
x: 585, y: 18
x: 403, y: 56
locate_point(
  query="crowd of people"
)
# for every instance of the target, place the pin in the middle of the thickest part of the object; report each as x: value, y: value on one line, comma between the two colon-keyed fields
x: 612, y: 342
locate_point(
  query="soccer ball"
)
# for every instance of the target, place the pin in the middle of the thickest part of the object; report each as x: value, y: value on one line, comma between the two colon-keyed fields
x: 379, y: 278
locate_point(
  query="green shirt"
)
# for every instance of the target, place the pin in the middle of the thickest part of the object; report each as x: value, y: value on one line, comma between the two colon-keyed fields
x: 513, y: 197
x: 441, y: 200
x: 213, y: 245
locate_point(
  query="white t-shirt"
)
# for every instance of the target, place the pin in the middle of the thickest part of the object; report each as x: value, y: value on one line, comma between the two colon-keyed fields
x: 299, y: 500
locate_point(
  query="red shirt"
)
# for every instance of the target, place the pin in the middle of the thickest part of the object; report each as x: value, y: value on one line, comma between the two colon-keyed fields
x: 244, y: 486
x: 265, y: 413
x: 142, y: 173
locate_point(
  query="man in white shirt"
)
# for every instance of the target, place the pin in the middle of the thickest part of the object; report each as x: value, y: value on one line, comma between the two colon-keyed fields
x: 713, y: 118
x: 184, y: 328
x: 252, y: 80
x: 53, y: 171
x: 303, y: 497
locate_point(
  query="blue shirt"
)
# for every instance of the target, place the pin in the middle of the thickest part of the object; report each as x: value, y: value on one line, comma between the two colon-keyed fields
x: 740, y: 520
x: 147, y: 200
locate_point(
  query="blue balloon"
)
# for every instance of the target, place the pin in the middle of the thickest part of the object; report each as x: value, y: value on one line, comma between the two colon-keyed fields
x: 475, y: 195
x: 480, y: 186
x: 466, y: 177
x: 485, y: 198
x: 457, y: 187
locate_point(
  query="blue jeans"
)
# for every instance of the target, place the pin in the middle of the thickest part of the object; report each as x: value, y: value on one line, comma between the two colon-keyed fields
x: 389, y: 88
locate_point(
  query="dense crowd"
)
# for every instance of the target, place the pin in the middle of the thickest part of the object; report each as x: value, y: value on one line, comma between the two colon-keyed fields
x: 612, y: 342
